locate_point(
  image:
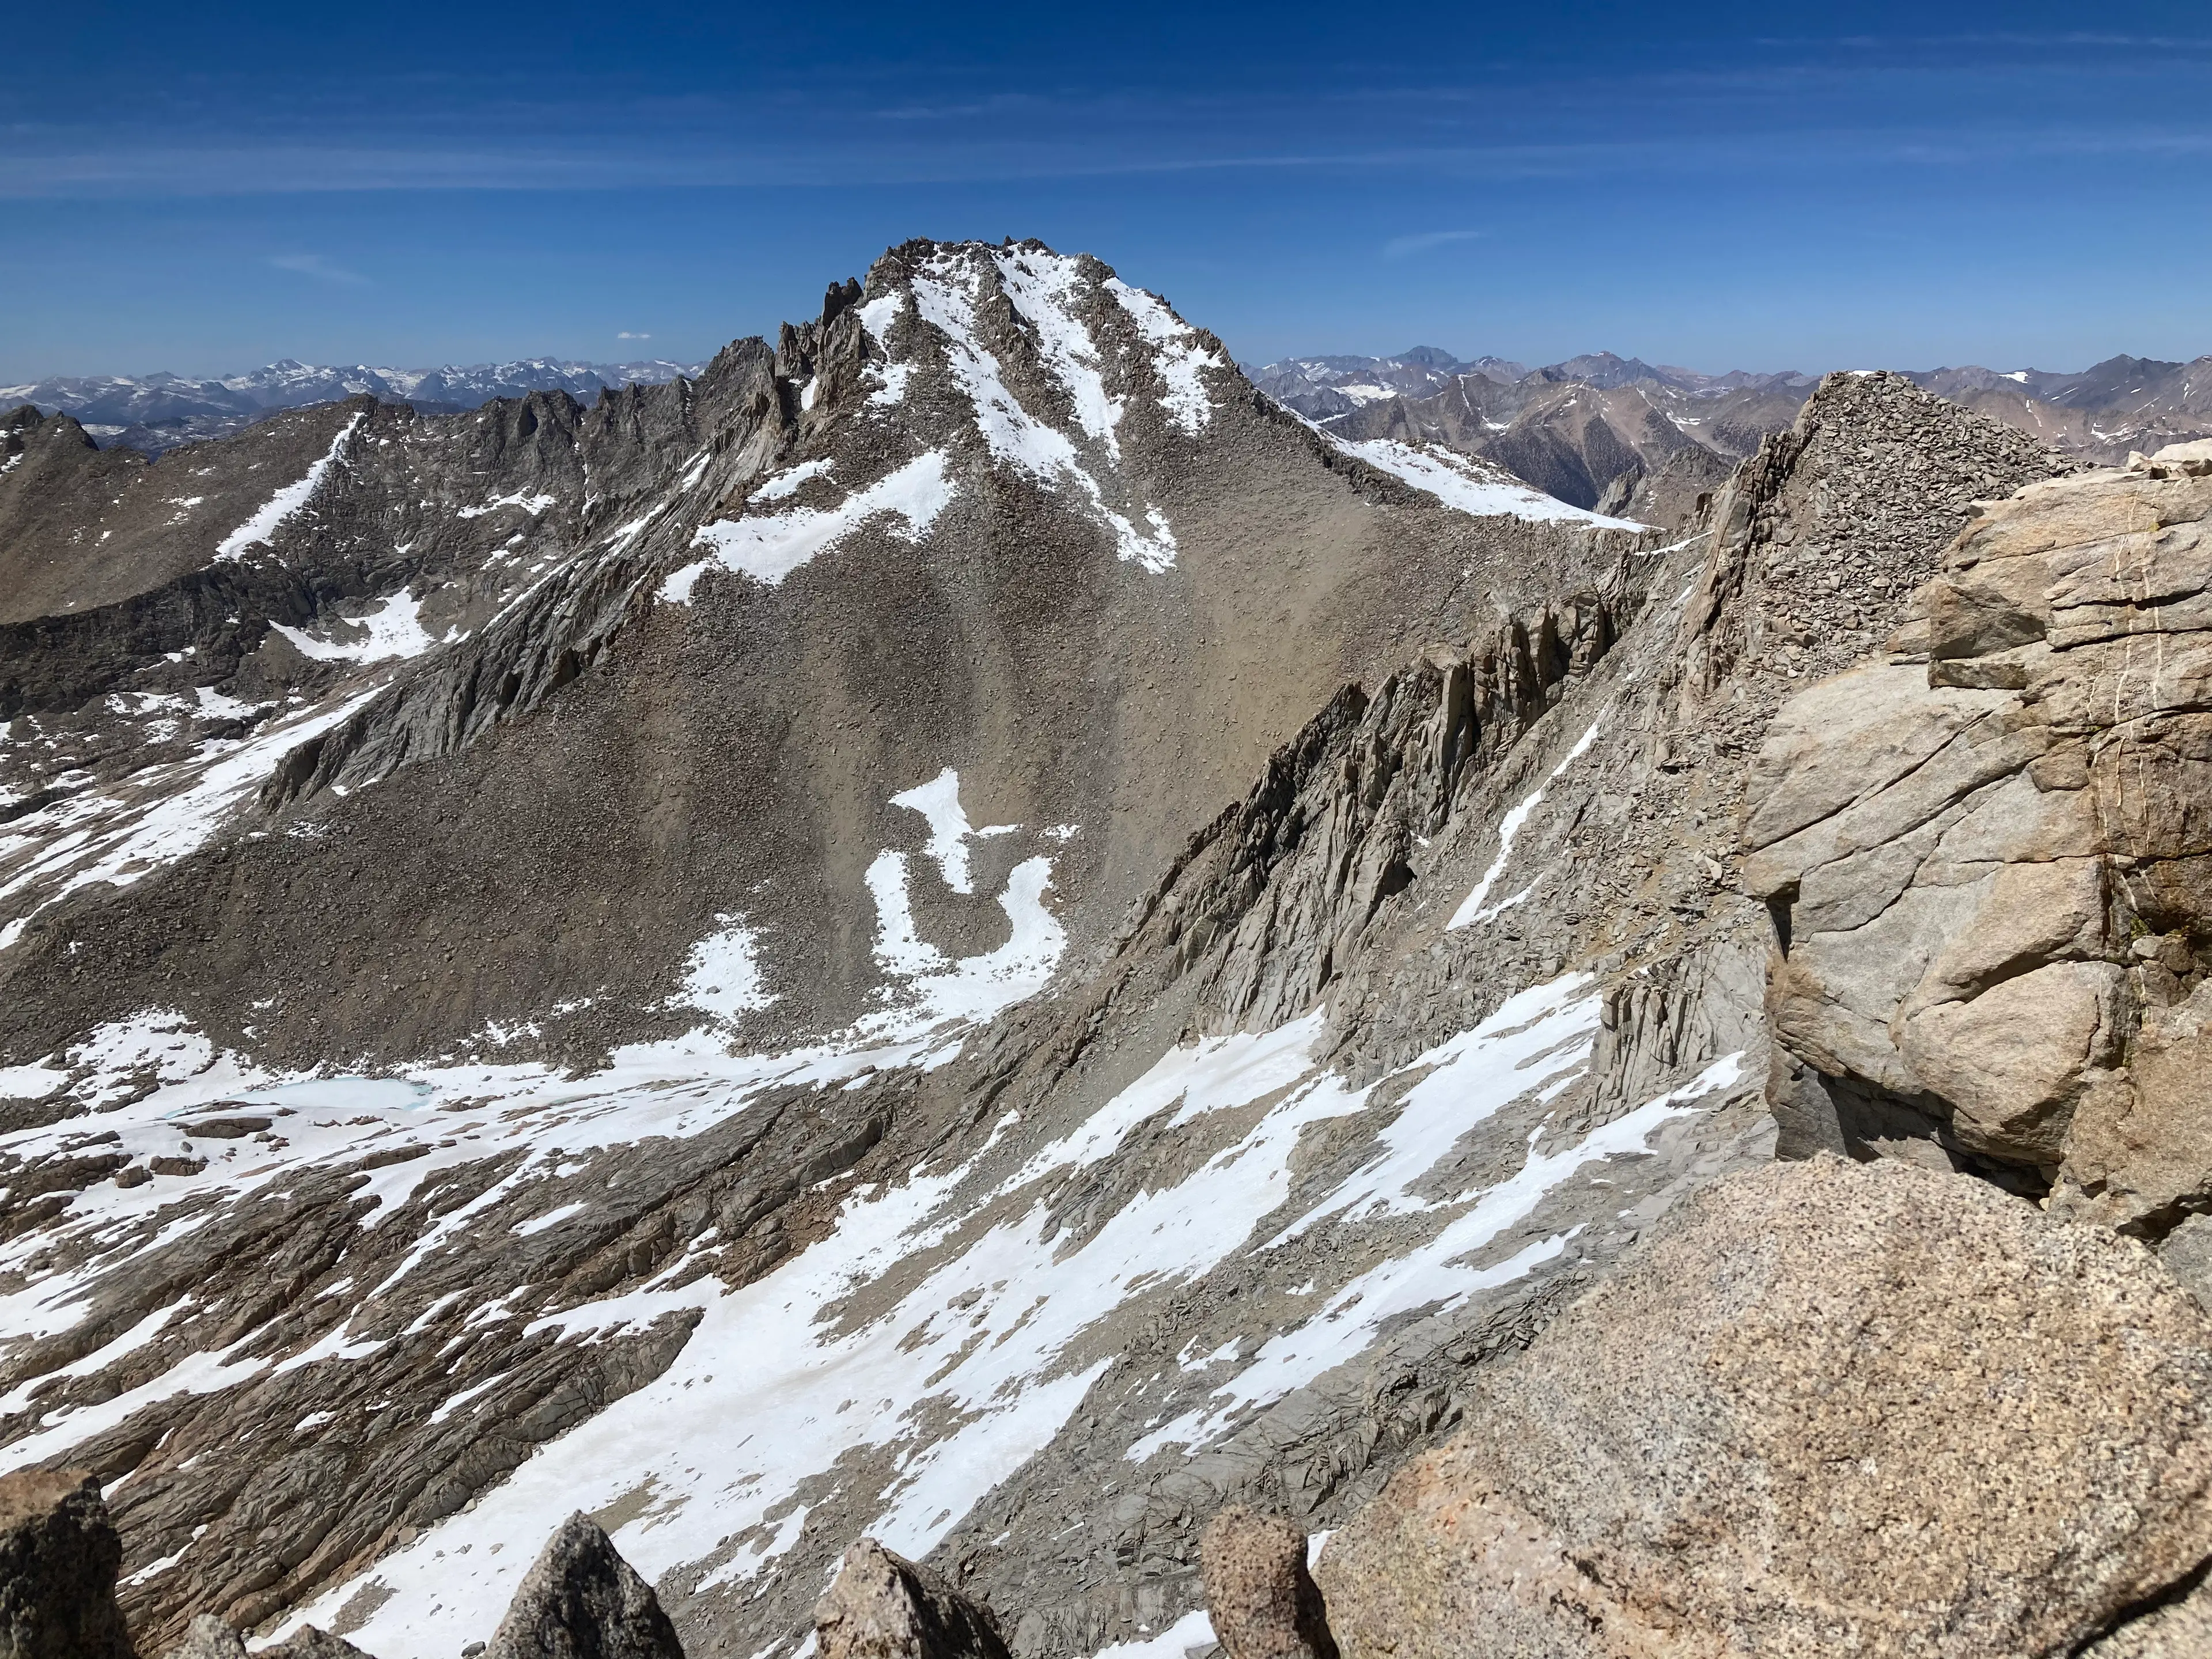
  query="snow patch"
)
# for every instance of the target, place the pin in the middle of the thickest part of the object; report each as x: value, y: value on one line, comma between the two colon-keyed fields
x: 533, y: 505
x: 786, y: 483
x: 392, y: 628
x: 722, y: 976
x: 770, y: 548
x: 1043, y: 287
x: 1470, y: 486
x: 945, y: 297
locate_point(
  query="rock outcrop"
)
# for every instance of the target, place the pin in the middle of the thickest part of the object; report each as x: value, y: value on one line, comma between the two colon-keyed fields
x: 59, y: 1556
x: 1829, y: 1407
x: 1989, y: 862
x: 208, y: 1638
x: 581, y: 1600
x: 1264, y: 1602
x: 885, y: 1607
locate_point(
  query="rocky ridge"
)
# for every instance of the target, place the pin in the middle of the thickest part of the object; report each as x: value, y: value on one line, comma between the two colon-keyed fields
x: 1316, y: 1117
x: 156, y: 413
x: 1626, y: 438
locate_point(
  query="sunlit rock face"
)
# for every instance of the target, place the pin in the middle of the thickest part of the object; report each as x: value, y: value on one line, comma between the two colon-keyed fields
x: 958, y: 931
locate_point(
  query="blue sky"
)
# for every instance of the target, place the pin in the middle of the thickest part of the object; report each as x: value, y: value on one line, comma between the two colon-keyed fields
x: 204, y: 187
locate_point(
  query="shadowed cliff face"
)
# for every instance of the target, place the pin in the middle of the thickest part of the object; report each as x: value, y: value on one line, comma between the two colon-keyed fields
x: 956, y: 932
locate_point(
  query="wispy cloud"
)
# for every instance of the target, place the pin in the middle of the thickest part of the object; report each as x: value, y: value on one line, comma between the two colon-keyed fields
x: 1405, y: 247
x: 627, y: 335
x: 322, y: 270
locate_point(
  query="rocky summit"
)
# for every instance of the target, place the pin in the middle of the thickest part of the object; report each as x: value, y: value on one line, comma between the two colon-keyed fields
x: 945, y: 988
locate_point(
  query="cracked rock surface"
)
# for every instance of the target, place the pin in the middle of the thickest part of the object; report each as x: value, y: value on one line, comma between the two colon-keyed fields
x: 1756, y: 1436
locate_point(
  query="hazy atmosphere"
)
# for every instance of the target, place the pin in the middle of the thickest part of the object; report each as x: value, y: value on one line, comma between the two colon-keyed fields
x: 206, y: 188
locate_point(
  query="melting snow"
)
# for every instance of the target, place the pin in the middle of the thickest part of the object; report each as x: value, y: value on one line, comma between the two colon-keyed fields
x: 945, y: 295
x: 786, y: 484
x: 999, y: 1337
x: 1043, y: 287
x: 722, y: 976
x: 256, y: 529
x: 1473, y: 487
x: 770, y: 548
x: 392, y: 629
x: 1471, y: 908
x: 533, y: 505
x: 168, y: 812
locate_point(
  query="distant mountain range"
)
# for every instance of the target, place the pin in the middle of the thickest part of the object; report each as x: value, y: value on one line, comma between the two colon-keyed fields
x: 155, y: 412
x: 1618, y: 435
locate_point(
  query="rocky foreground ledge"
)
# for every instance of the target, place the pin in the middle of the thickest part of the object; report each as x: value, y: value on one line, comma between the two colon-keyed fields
x: 1825, y: 1407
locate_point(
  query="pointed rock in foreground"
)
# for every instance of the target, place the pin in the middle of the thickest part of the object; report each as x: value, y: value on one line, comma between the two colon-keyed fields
x: 59, y: 1556
x: 1264, y: 1602
x: 581, y: 1600
x: 885, y: 1607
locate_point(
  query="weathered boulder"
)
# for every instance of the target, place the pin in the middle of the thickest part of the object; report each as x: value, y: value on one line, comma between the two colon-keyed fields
x: 1988, y: 858
x: 59, y: 1556
x: 1831, y: 1407
x: 1265, y: 1604
x: 885, y: 1607
x: 581, y: 1600
x: 208, y: 1637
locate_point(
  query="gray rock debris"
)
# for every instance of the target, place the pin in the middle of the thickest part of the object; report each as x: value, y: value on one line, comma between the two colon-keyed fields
x: 581, y: 1600
x: 885, y: 1607
x: 1759, y: 1436
x: 59, y: 1555
x: 1265, y: 1604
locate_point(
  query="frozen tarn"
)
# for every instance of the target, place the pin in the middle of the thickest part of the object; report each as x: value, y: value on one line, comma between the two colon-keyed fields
x: 256, y: 529
x: 1472, y: 908
x: 769, y: 548
x: 393, y: 628
x: 533, y: 505
x: 1469, y: 485
x: 1042, y: 287
x: 1179, y: 357
x: 943, y: 296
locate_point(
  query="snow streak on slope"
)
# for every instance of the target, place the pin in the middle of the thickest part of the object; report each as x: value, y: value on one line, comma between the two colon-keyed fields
x: 1043, y: 287
x: 1179, y: 355
x: 770, y: 548
x: 976, y: 988
x: 951, y: 1321
x: 945, y: 293
x: 153, y: 817
x: 256, y: 529
x: 1472, y: 908
x: 1474, y: 487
